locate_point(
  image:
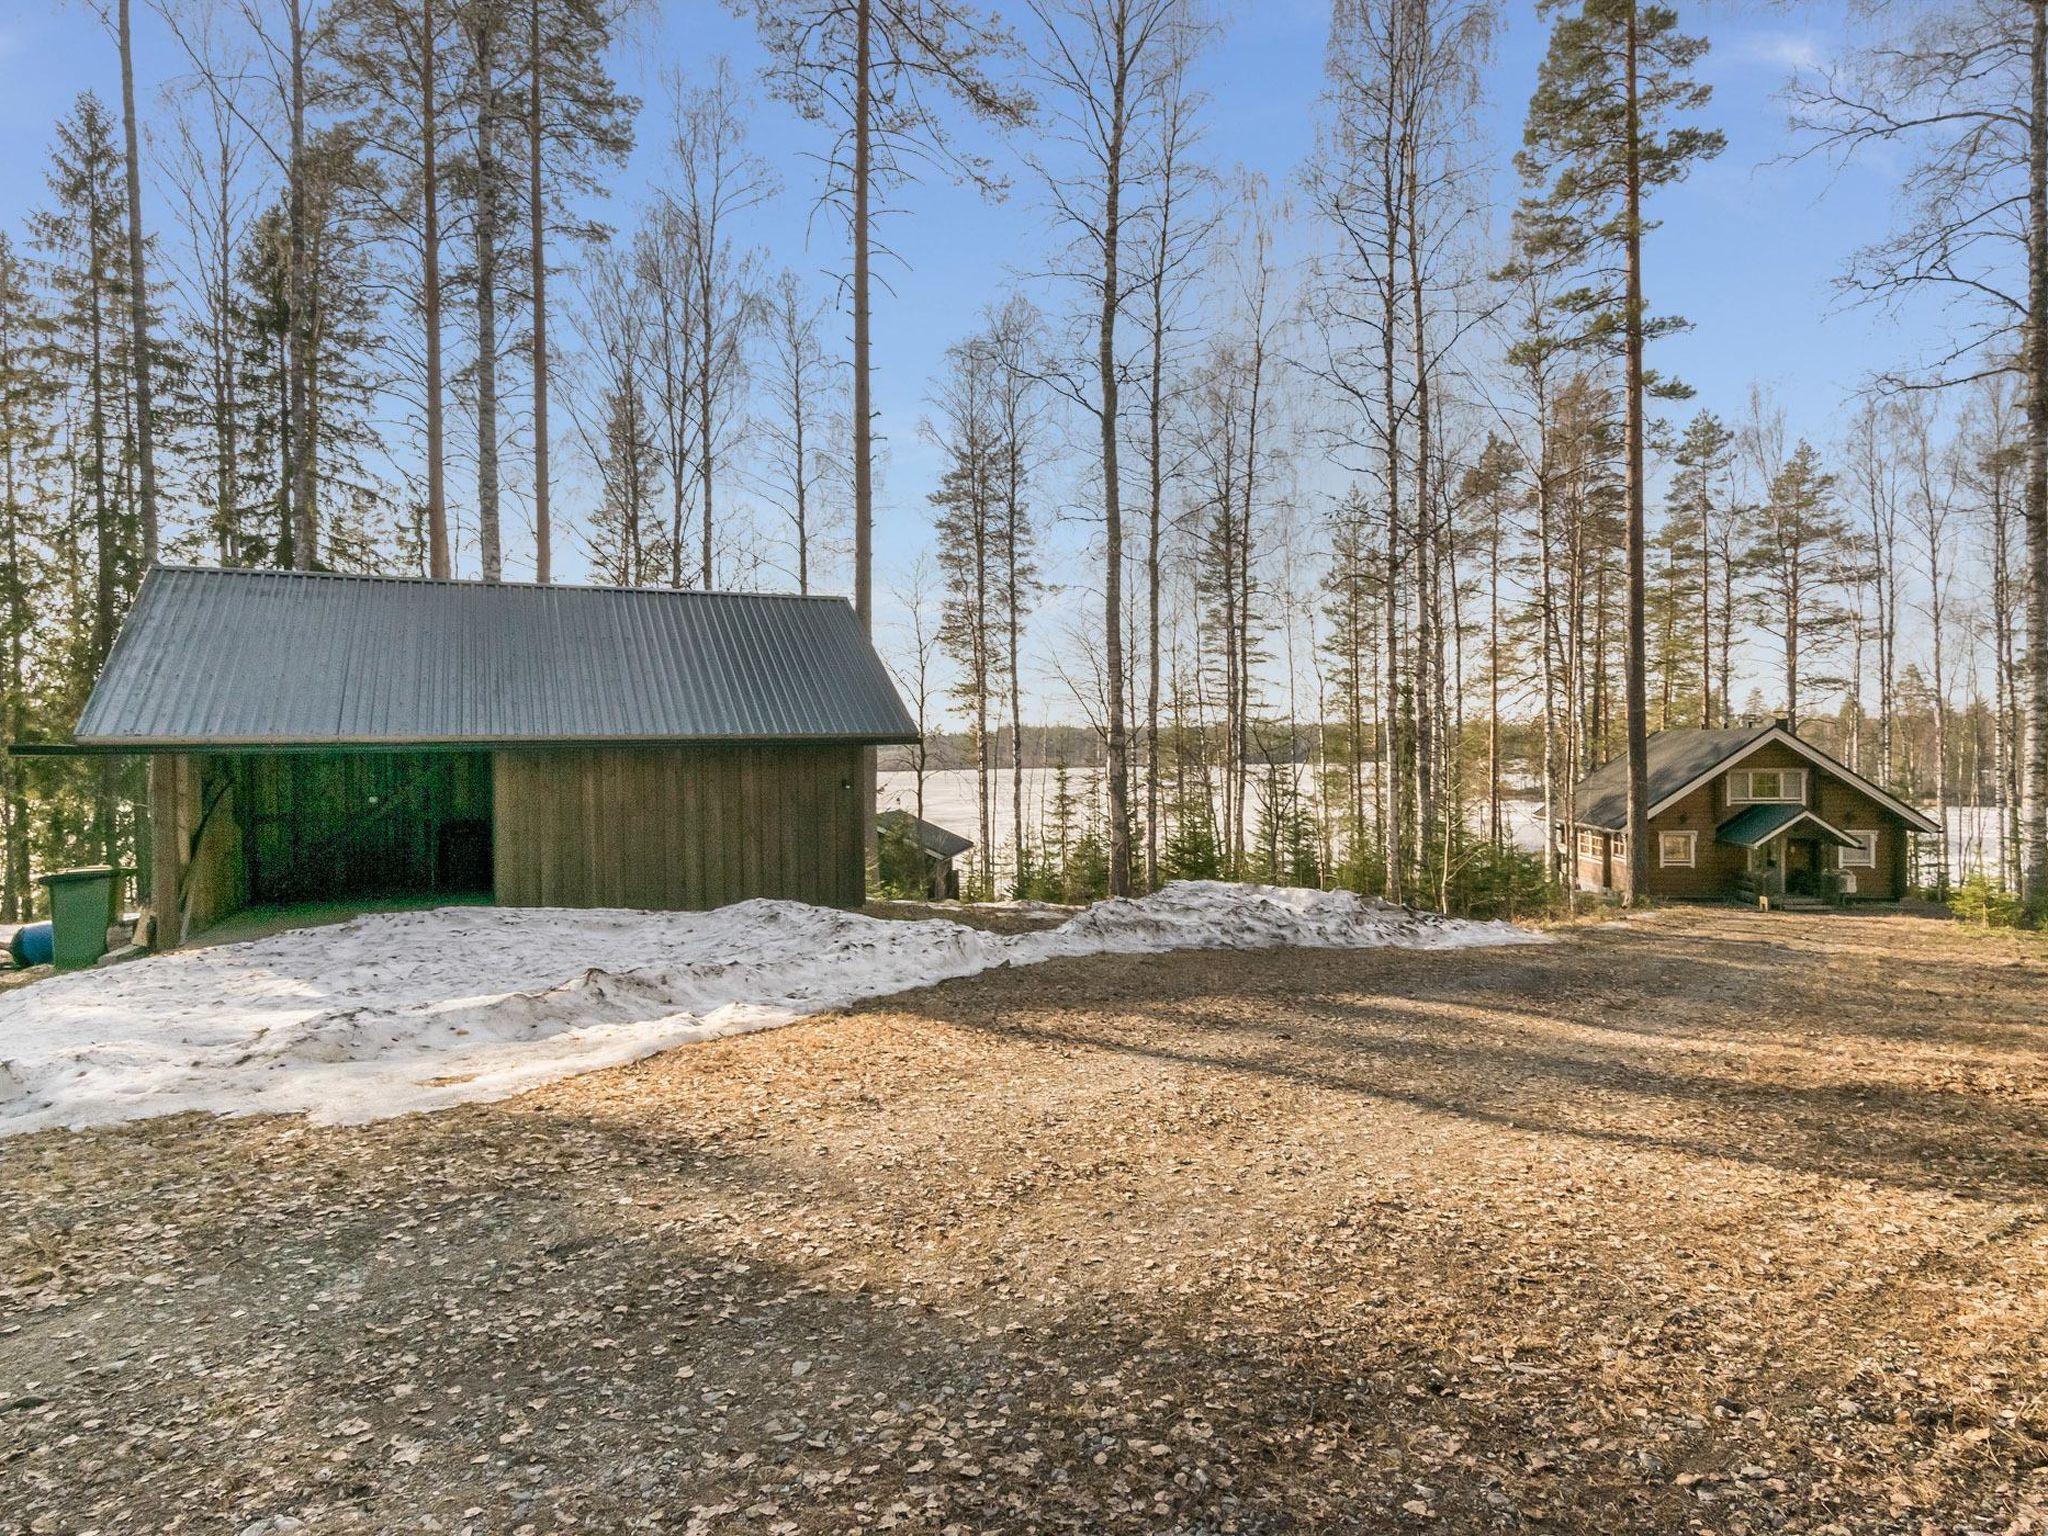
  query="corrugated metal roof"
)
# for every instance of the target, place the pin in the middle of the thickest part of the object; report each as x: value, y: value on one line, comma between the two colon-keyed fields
x: 283, y: 658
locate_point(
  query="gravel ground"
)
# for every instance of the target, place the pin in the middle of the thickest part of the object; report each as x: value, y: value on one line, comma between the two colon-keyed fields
x: 1699, y: 1221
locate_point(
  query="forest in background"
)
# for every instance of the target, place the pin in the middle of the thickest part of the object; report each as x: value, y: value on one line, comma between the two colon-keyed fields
x: 1360, y: 467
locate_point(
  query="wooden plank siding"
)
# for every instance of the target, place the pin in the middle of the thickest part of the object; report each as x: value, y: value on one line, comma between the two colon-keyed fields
x: 676, y: 826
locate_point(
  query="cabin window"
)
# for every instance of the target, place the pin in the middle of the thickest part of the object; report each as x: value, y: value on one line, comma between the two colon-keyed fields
x: 1589, y: 845
x: 1768, y: 786
x: 1864, y: 856
x: 1674, y: 849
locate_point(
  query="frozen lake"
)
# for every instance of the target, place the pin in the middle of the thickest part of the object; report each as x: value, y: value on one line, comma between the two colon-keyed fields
x: 949, y: 800
x: 949, y: 796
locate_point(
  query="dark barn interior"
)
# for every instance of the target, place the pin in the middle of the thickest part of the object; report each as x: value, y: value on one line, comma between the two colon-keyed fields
x: 324, y: 826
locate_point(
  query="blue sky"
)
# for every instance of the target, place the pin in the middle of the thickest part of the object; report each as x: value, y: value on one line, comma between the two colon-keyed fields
x: 1746, y: 251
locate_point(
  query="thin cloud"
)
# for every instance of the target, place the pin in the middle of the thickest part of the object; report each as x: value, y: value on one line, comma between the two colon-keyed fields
x: 1779, y: 49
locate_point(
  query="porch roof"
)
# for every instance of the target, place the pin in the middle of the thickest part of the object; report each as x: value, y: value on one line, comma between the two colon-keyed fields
x: 1757, y: 825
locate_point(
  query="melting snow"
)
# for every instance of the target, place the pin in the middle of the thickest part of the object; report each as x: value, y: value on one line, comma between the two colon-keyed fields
x: 404, y: 1011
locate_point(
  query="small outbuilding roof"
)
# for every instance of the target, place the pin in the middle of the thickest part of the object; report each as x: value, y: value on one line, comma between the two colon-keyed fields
x: 930, y: 836
x: 216, y: 658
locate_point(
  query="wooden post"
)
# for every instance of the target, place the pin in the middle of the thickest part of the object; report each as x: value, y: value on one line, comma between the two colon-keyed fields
x: 167, y: 773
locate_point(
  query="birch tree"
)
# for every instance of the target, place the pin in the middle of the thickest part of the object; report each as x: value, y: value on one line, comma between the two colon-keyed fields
x: 805, y: 392
x: 1958, y: 91
x: 714, y: 179
x: 1100, y: 71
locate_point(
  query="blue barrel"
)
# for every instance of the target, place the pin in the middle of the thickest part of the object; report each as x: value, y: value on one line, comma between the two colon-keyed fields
x: 33, y: 944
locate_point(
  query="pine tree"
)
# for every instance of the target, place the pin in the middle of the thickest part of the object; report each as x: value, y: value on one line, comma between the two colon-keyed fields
x: 1351, y: 596
x: 1599, y: 138
x: 28, y: 397
x: 1489, y: 493
x: 617, y: 423
x: 1793, y: 558
x: 99, y: 540
x: 400, y: 79
x: 1696, y: 511
x: 967, y: 532
x: 1013, y: 341
x: 576, y: 126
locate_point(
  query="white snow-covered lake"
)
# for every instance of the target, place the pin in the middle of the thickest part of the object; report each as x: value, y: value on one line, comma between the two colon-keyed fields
x: 949, y: 793
x: 949, y: 800
x: 417, y: 1010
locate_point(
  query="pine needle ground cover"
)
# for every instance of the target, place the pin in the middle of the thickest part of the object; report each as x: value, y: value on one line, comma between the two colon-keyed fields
x: 1699, y: 1221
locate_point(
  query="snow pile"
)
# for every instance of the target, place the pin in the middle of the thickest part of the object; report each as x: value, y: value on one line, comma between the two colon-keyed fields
x: 1220, y: 914
x: 406, y: 1011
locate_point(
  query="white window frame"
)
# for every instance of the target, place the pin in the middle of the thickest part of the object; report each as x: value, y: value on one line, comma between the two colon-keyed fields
x: 1589, y: 844
x: 1664, y: 858
x: 1864, y: 857
x: 1791, y: 787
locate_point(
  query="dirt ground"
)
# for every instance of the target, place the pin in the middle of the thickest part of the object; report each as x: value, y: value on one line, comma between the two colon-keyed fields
x: 1701, y: 1221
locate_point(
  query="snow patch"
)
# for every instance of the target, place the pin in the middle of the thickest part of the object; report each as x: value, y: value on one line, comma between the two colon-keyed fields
x: 403, y: 1011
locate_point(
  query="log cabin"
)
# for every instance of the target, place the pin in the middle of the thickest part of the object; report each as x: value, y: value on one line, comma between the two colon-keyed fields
x: 1746, y: 814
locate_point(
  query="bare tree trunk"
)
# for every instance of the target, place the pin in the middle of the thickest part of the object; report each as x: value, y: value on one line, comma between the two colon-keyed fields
x: 1426, y: 638
x: 1494, y: 829
x: 800, y: 481
x: 1637, y: 703
x: 1937, y: 624
x: 2034, y: 815
x: 1392, y: 842
x: 440, y: 561
x: 305, y: 518
x: 1792, y: 662
x: 863, y: 384
x: 484, y: 236
x: 543, y: 535
x: 1112, y: 490
x: 138, y: 301
x: 1154, y: 503
x: 1706, y: 611
x: 706, y: 386
x: 1241, y: 747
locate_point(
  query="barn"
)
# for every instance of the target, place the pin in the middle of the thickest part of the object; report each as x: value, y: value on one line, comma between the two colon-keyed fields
x: 332, y: 738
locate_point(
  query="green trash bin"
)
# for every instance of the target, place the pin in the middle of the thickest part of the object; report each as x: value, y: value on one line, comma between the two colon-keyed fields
x: 82, y: 909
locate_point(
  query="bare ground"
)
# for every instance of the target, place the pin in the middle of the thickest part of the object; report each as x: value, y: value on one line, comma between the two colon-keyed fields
x: 1699, y: 1221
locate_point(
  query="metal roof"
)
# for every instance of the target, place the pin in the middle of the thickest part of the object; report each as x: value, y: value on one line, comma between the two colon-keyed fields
x: 938, y: 841
x: 212, y: 658
x: 1682, y: 760
x: 1676, y: 758
x: 1760, y: 823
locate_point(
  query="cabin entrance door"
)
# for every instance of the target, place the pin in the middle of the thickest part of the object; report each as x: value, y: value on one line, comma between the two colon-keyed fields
x: 1802, y: 866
